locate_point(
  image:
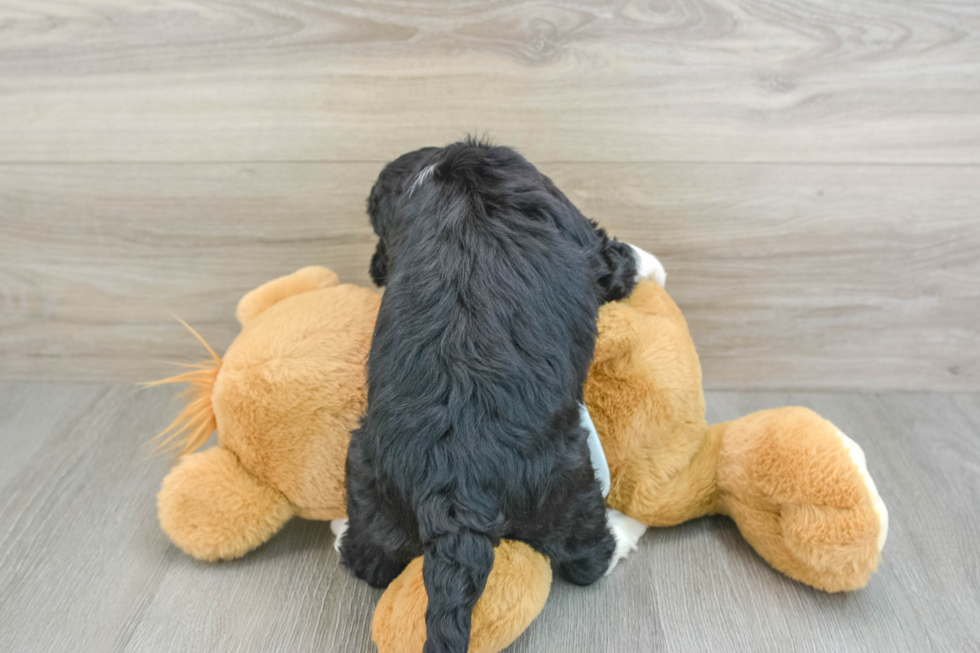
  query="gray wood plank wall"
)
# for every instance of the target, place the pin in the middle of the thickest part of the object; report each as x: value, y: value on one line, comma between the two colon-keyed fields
x: 809, y: 172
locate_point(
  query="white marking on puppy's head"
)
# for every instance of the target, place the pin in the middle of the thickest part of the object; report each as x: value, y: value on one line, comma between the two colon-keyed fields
x: 421, y: 177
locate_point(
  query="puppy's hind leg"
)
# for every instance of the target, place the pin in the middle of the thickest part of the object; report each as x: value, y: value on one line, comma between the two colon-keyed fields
x: 374, y: 543
x: 369, y: 559
x: 571, y: 527
x: 586, y: 547
x: 591, y: 539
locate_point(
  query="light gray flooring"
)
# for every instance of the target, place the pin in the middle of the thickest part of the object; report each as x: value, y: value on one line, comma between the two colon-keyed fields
x: 84, y: 566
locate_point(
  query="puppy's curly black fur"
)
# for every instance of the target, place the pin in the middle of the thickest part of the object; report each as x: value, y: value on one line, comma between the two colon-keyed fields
x: 482, y: 344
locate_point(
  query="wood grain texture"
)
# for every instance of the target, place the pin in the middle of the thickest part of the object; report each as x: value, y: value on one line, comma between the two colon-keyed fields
x: 803, y: 276
x: 640, y: 80
x: 808, y: 169
x: 84, y: 566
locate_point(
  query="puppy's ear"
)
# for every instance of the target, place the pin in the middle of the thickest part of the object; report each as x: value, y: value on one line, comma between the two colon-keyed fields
x: 617, y: 272
x: 379, y: 265
x: 617, y: 332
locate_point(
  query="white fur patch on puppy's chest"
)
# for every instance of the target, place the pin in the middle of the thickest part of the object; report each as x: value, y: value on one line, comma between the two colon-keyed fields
x: 596, y: 454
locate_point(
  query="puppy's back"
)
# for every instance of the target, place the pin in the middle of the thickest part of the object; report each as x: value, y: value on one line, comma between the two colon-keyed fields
x: 480, y: 351
x: 490, y: 301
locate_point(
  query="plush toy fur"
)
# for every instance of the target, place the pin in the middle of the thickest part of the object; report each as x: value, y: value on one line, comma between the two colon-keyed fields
x: 797, y: 487
x: 283, y: 399
x: 291, y: 387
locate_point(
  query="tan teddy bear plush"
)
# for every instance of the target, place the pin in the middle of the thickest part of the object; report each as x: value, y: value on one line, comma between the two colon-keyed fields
x: 796, y: 486
x: 292, y: 385
x: 283, y: 400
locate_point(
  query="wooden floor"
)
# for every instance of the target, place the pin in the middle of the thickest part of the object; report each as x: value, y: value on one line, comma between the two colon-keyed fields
x: 808, y: 170
x: 84, y: 566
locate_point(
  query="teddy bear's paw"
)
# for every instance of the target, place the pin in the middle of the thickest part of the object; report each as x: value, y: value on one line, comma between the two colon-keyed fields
x: 833, y: 549
x: 649, y: 267
x: 627, y: 533
x: 857, y: 456
x: 800, y: 493
x: 514, y: 594
x: 339, y: 528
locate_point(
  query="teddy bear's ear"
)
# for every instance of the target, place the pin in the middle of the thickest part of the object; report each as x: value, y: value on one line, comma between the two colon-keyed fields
x: 214, y: 509
x: 273, y: 292
x: 617, y: 332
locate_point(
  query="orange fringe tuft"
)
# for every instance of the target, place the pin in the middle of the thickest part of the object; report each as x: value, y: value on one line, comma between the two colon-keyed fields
x: 196, y: 422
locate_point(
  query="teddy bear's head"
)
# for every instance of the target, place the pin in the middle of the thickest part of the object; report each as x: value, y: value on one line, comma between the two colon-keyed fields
x: 291, y: 388
x: 283, y: 401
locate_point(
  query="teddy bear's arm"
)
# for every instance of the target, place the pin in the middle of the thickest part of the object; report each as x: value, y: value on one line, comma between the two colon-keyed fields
x: 273, y: 292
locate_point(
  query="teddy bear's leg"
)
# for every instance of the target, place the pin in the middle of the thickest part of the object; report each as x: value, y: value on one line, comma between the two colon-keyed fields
x: 800, y: 493
x: 674, y: 487
x: 644, y: 394
x: 514, y: 595
x: 273, y: 292
x: 213, y: 509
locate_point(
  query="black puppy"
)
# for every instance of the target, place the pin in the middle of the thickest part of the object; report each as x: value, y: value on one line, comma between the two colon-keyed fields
x: 483, y: 341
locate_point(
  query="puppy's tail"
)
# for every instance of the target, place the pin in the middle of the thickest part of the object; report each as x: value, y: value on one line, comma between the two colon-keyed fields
x: 455, y: 572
